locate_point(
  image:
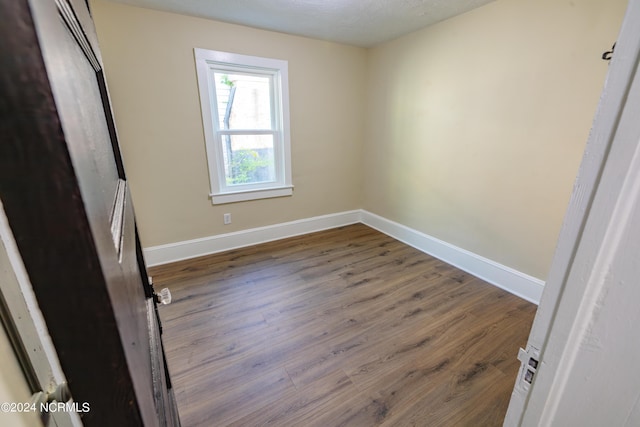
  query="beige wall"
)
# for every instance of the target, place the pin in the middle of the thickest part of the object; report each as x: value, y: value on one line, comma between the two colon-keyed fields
x: 150, y: 70
x: 471, y: 130
x: 476, y: 126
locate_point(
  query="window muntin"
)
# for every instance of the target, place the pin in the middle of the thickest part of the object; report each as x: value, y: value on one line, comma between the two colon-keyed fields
x: 244, y: 103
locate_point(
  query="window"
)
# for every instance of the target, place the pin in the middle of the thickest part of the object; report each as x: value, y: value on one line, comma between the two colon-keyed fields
x: 245, y: 112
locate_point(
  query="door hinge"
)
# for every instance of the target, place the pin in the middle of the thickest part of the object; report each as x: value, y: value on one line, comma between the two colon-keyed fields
x: 42, y: 402
x: 530, y: 361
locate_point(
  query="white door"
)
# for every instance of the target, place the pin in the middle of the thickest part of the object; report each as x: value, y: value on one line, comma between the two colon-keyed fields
x: 39, y: 361
x: 570, y: 368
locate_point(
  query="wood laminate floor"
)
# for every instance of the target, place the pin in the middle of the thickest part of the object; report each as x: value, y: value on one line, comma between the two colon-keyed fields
x: 345, y: 327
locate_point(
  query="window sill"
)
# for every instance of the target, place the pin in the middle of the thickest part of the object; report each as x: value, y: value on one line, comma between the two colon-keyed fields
x: 242, y: 196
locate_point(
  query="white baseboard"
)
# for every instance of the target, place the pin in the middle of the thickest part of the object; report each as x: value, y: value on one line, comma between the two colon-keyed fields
x: 164, y: 254
x: 513, y: 281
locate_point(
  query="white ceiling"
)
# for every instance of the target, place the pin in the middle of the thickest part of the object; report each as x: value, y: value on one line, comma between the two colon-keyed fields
x: 363, y: 23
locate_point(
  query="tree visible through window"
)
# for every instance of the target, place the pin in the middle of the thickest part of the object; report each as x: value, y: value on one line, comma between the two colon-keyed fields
x: 244, y: 101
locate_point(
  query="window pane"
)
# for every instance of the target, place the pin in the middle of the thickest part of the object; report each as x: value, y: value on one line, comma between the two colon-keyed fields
x: 244, y: 101
x: 248, y: 159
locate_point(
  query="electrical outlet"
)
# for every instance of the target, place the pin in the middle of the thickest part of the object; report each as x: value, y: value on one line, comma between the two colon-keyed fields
x: 227, y: 218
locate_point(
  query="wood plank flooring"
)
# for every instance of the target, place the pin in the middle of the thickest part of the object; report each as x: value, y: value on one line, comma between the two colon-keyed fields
x: 345, y: 327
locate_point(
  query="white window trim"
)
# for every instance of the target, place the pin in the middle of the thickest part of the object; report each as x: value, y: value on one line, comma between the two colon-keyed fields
x: 220, y: 192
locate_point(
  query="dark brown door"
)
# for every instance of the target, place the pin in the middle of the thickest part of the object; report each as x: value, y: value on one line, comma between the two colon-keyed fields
x: 65, y: 194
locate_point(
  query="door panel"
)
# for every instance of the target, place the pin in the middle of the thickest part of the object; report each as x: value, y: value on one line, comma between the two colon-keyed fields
x: 73, y: 79
x: 72, y: 68
x: 67, y: 201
